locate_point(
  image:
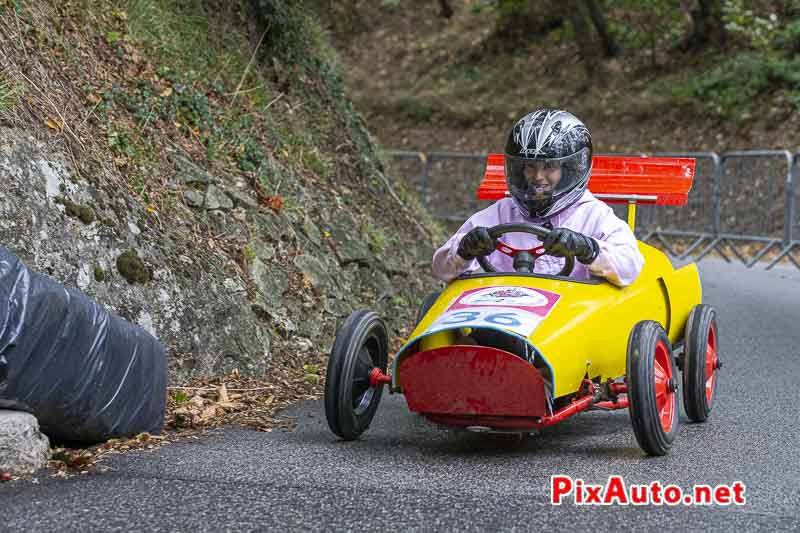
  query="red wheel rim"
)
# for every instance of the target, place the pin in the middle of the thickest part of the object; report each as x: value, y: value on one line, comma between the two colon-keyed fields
x: 665, y: 396
x: 711, y: 363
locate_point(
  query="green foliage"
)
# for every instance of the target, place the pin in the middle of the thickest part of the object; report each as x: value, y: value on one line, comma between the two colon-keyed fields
x: 132, y: 267
x: 399, y: 301
x: 645, y: 23
x: 740, y: 83
x: 377, y: 238
x: 113, y: 37
x: 756, y: 27
x: 291, y: 34
x: 249, y: 253
x: 121, y: 141
x: 768, y: 65
x: 180, y: 397
x: 788, y: 39
x: 177, y: 32
x: 83, y: 213
x: 10, y: 93
x: 250, y: 156
x: 415, y: 109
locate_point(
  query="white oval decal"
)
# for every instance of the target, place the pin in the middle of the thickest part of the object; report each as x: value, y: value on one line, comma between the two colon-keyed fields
x: 503, y: 296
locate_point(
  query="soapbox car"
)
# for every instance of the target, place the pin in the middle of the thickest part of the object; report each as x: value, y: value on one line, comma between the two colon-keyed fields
x: 517, y: 351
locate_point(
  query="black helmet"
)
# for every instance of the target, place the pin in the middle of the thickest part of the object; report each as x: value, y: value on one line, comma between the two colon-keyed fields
x: 548, y: 159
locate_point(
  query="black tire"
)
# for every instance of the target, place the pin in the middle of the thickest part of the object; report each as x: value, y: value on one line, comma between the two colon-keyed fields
x: 700, y: 360
x: 426, y: 305
x: 362, y: 343
x: 654, y: 419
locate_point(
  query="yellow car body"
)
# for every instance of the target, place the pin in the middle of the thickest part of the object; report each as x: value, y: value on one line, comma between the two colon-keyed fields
x: 586, y: 332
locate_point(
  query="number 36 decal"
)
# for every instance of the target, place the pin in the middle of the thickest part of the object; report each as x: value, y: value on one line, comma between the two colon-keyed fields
x: 516, y: 320
x: 501, y: 319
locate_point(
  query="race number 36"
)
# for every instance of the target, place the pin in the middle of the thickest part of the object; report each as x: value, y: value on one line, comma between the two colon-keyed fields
x: 499, y: 319
x: 516, y: 320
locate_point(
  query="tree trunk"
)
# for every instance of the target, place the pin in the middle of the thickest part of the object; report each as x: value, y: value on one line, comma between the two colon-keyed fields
x: 447, y: 9
x: 521, y: 22
x: 610, y: 46
x: 707, y: 25
x: 257, y: 24
x: 583, y: 37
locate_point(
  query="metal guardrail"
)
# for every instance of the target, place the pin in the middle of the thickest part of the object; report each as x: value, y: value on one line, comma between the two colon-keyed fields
x: 743, y: 203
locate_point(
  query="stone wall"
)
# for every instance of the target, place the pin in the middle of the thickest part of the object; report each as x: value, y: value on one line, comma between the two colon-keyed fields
x: 222, y: 280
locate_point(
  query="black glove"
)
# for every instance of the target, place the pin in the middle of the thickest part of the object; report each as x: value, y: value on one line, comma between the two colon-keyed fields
x: 562, y: 242
x: 476, y: 243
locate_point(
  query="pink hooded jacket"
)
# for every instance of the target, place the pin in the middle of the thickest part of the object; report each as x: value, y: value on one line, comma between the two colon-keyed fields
x: 619, y: 260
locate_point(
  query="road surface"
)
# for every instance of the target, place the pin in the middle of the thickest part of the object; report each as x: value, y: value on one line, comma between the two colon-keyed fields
x: 407, y: 475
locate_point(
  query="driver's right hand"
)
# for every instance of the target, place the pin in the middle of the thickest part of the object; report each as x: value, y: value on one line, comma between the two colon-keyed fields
x: 476, y: 243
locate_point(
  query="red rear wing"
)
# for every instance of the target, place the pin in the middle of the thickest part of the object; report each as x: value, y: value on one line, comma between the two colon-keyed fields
x: 647, y: 180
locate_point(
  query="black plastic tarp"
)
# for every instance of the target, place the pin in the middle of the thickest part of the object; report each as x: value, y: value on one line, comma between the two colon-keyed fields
x: 85, y: 373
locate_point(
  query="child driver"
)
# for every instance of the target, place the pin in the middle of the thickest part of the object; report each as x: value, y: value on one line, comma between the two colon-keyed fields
x: 548, y: 158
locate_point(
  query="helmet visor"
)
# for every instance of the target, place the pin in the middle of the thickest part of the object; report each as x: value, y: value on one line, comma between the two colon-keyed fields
x: 540, y: 179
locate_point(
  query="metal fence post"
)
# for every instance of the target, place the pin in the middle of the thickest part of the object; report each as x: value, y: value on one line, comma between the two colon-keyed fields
x: 716, y: 194
x: 787, y: 230
x: 791, y: 194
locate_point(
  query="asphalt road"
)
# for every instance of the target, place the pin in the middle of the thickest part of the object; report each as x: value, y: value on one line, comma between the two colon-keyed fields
x: 407, y: 475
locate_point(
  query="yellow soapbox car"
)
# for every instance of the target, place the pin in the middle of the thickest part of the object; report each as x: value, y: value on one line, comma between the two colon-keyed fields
x: 516, y: 352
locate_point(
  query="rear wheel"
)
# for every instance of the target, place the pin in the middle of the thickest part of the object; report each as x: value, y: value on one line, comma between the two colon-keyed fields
x: 350, y: 401
x: 701, y: 363
x: 652, y: 388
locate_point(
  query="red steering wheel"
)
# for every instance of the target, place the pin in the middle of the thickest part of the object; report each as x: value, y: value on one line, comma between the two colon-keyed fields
x: 532, y: 253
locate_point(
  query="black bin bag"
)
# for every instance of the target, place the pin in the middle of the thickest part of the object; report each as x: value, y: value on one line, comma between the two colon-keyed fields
x: 85, y: 373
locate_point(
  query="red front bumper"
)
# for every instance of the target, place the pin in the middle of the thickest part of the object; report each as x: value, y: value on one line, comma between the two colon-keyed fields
x: 474, y: 386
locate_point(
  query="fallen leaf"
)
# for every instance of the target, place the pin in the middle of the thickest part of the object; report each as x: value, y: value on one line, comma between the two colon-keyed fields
x: 273, y: 202
x: 222, y: 394
x: 197, y: 400
x: 230, y: 405
x: 208, y: 412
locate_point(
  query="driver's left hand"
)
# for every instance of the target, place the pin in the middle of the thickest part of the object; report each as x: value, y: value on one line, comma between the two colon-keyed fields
x: 562, y: 242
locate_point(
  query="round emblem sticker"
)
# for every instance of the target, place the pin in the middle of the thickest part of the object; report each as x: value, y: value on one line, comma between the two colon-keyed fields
x: 520, y: 296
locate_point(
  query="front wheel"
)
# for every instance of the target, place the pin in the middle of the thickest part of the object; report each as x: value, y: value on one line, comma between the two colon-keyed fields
x: 652, y: 388
x: 362, y: 344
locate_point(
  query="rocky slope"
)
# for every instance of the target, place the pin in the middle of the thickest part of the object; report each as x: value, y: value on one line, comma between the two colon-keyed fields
x: 236, y: 209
